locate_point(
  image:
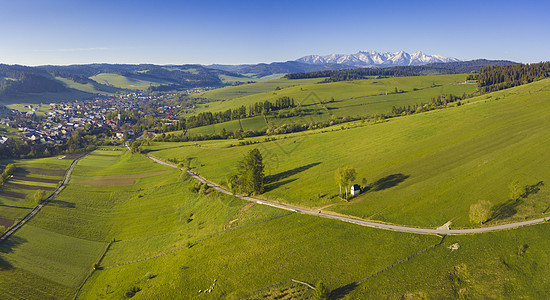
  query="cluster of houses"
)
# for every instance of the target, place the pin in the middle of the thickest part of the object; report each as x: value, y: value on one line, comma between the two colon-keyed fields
x: 62, y: 119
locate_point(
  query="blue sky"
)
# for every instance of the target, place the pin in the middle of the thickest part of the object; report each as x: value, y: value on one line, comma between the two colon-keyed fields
x: 36, y: 32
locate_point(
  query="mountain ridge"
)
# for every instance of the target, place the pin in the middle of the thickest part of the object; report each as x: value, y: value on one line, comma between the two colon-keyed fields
x: 377, y: 59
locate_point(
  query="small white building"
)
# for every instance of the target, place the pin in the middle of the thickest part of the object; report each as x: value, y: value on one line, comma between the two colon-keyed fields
x: 355, y: 190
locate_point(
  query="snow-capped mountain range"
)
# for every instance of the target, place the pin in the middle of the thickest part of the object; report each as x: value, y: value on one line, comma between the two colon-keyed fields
x: 375, y: 59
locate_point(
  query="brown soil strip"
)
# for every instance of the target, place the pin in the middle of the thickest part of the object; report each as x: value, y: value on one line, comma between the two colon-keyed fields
x: 13, y: 194
x: 246, y: 207
x: 74, y: 155
x: 47, y: 172
x: 35, y: 179
x: 6, y: 223
x: 30, y: 187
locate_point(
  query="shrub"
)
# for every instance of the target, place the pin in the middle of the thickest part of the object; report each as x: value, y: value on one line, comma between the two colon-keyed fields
x: 40, y: 196
x: 321, y: 291
x: 132, y: 292
x: 480, y: 212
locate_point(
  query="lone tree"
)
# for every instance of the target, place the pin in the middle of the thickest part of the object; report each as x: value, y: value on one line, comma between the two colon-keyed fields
x: 250, y: 173
x: 517, y: 191
x: 40, y: 196
x: 480, y: 212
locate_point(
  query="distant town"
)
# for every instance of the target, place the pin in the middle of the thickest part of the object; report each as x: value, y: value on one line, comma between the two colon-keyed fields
x: 118, y: 117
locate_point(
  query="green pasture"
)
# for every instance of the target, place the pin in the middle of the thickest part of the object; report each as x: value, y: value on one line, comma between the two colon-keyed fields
x: 253, y: 257
x: 91, y: 88
x: 503, y: 265
x: 50, y: 168
x: 359, y: 98
x: 37, y: 98
x: 423, y: 170
x: 41, y: 109
x: 308, y: 93
x: 127, y: 81
x: 232, y: 92
x: 46, y: 254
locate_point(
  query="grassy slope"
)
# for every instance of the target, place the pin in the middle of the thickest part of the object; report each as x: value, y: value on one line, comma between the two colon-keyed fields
x: 489, y: 266
x: 89, y: 87
x: 44, y: 97
x: 308, y: 92
x: 126, y: 82
x: 254, y: 88
x: 449, y: 160
x: 352, y: 98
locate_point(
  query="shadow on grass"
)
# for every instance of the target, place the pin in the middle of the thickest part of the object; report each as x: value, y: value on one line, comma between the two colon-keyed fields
x: 386, y: 182
x: 275, y: 185
x: 343, y: 291
x: 508, y: 208
x: 64, y: 204
x: 276, y: 177
x: 6, y: 247
x: 504, y: 210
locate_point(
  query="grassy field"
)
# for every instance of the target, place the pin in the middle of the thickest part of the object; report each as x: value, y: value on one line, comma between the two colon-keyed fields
x: 423, y: 169
x: 17, y: 193
x: 92, y: 88
x: 232, y: 92
x: 127, y: 81
x: 504, y: 265
x: 308, y: 91
x: 38, y: 98
x: 357, y: 98
x: 185, y: 242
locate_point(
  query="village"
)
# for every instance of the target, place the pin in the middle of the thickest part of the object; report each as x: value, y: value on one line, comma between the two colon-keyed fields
x: 54, y: 123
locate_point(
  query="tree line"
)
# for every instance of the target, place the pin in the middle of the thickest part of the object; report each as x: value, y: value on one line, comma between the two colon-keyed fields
x: 399, y: 71
x: 439, y: 102
x: 258, y: 108
x: 495, y: 78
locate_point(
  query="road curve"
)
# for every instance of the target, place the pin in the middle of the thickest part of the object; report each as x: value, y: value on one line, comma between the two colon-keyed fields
x: 22, y: 222
x: 384, y: 226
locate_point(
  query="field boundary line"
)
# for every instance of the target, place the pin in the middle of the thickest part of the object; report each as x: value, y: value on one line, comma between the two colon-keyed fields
x: 36, y: 209
x: 371, y: 224
x: 94, y: 268
x: 192, y: 244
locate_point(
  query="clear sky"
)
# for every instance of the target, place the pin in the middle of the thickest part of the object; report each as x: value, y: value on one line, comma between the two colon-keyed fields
x: 36, y: 32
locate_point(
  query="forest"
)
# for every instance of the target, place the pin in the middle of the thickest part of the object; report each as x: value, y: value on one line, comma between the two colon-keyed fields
x: 495, y: 78
x: 401, y: 71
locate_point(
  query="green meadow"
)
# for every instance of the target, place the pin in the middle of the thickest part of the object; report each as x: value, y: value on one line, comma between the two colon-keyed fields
x: 309, y: 91
x: 127, y: 81
x: 243, y: 90
x: 126, y: 227
x: 324, y: 101
x: 422, y: 170
x: 17, y: 193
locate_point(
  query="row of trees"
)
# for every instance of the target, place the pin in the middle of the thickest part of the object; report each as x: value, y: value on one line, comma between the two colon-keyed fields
x: 439, y: 102
x: 494, y: 78
x: 258, y: 108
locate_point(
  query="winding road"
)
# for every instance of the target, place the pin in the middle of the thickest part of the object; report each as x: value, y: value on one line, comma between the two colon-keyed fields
x: 22, y: 222
x: 384, y: 226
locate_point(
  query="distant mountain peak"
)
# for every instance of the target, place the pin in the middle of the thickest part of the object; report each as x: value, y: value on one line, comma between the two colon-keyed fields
x: 375, y: 59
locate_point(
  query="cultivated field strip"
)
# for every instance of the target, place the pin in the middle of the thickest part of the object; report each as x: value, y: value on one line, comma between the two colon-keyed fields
x: 22, y: 222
